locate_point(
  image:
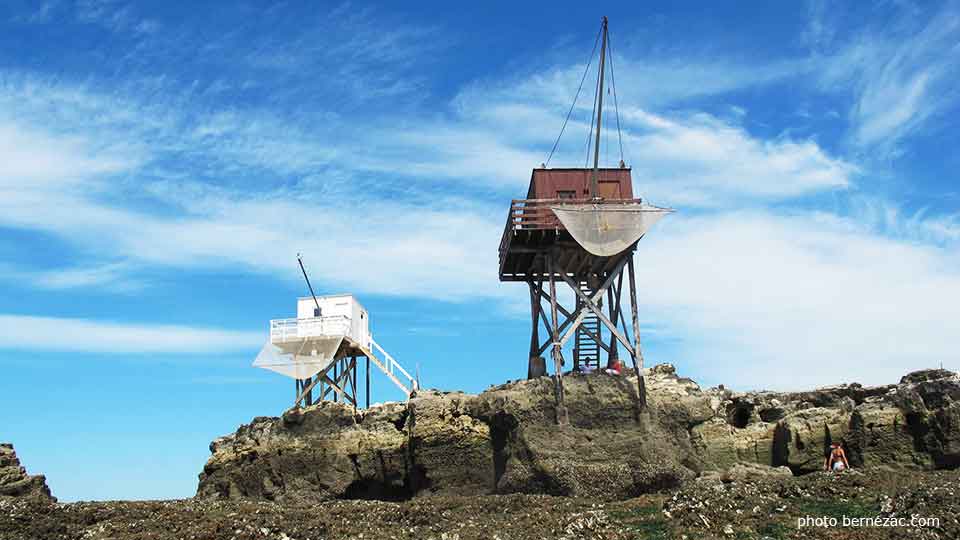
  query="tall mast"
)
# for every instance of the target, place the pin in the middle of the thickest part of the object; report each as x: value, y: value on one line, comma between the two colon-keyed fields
x: 596, y: 146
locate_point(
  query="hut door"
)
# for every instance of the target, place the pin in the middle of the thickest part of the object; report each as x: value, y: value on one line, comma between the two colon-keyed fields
x: 609, y: 190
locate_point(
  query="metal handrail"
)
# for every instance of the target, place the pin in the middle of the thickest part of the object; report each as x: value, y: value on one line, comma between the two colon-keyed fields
x: 393, y: 364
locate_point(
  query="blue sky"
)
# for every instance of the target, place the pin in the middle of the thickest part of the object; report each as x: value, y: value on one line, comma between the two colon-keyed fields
x: 162, y: 164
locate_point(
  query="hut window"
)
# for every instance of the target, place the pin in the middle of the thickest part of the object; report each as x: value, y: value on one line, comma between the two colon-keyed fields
x: 566, y: 194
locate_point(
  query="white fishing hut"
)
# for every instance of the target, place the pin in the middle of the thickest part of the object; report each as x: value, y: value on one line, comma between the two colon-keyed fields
x: 320, y: 347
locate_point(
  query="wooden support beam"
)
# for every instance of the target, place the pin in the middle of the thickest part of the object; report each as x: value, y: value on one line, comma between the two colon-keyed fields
x: 535, y: 314
x: 336, y: 364
x: 570, y: 318
x: 599, y: 313
x: 335, y: 386
x: 367, y: 372
x: 381, y: 365
x: 599, y: 292
x: 637, y: 353
x: 557, y: 355
x: 613, y: 296
x: 560, y: 307
x: 303, y: 389
x: 353, y: 376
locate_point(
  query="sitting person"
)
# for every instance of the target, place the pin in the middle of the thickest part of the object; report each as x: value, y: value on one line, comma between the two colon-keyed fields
x: 836, y: 459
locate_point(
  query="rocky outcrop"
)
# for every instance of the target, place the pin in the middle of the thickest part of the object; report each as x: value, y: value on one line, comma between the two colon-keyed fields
x: 14, y: 480
x: 915, y: 423
x: 506, y: 440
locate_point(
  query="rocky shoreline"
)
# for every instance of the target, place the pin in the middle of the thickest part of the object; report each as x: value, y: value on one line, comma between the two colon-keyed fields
x: 505, y: 440
x: 448, y: 465
x: 746, y: 508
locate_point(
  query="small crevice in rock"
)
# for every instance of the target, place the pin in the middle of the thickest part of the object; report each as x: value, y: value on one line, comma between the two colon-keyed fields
x: 501, y: 430
x: 739, y: 413
x: 401, y: 422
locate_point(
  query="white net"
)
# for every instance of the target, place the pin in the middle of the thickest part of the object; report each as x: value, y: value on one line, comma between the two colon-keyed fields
x: 300, y: 359
x: 608, y: 228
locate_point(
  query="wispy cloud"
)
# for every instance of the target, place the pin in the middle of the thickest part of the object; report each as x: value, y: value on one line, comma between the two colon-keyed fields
x: 82, y: 335
x: 700, y: 160
x: 901, y: 74
x: 29, y: 158
x: 111, y: 277
x: 252, y: 187
x: 683, y: 158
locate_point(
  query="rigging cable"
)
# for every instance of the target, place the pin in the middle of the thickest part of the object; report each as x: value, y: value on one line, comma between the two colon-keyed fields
x: 593, y: 115
x: 613, y: 84
x: 572, y: 105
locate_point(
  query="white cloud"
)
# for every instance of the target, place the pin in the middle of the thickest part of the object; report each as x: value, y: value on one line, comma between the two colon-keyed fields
x: 902, y: 75
x: 29, y: 157
x: 430, y: 245
x: 82, y: 335
x: 791, y: 301
x: 649, y: 81
x: 113, y: 277
x: 228, y: 200
x: 700, y: 160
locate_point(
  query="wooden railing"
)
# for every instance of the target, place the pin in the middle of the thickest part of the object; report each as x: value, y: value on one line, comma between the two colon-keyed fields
x: 535, y: 214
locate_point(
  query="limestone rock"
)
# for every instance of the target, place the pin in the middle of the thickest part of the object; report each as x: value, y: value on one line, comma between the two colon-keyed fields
x: 14, y: 480
x: 506, y: 439
x: 751, y: 472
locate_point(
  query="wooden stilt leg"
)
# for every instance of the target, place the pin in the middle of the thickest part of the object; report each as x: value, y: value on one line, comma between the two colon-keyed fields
x: 353, y: 380
x: 557, y: 355
x: 637, y: 352
x: 336, y: 364
x: 613, y: 298
x: 367, y: 372
x: 533, y: 362
x: 576, y: 344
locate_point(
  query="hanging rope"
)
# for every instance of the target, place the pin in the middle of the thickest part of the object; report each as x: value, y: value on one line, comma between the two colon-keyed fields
x: 574, y: 104
x: 613, y: 85
x: 593, y: 116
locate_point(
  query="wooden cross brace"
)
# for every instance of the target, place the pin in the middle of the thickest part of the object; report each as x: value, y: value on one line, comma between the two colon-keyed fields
x: 569, y: 318
x: 335, y: 385
x: 592, y: 303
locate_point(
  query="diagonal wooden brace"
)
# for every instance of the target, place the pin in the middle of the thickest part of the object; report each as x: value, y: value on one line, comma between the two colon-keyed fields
x: 338, y: 384
x: 326, y: 379
x: 599, y: 313
x: 570, y: 317
x: 590, y: 303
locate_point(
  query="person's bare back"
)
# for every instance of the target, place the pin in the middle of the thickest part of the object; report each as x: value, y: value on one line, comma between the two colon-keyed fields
x: 836, y: 459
